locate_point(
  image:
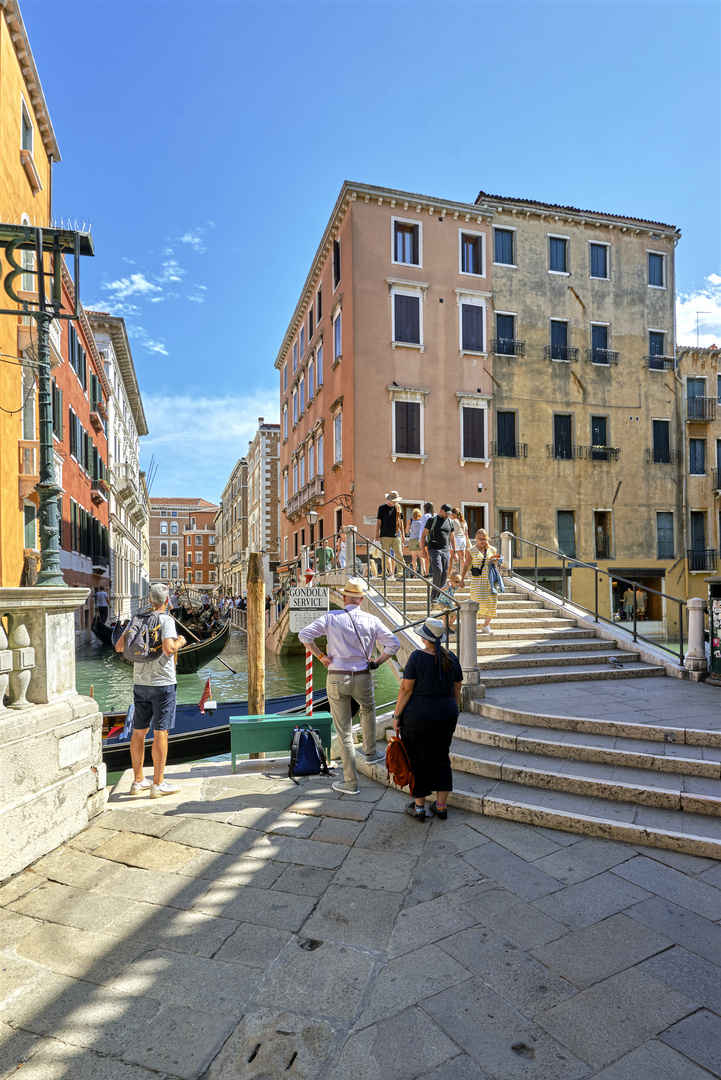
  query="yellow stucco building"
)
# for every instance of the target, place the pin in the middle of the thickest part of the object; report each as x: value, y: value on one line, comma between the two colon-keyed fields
x: 28, y: 149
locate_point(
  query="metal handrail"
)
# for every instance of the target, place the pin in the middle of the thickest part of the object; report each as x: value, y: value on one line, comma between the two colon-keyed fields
x: 598, y: 617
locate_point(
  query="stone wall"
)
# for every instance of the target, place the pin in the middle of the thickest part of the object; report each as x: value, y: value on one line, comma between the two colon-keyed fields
x: 52, y: 779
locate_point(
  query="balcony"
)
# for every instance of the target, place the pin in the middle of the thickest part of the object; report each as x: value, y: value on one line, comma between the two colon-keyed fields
x: 512, y: 450
x: 702, y: 560
x: 28, y: 466
x: 661, y: 456
x: 601, y: 453
x: 700, y: 410
x: 659, y: 363
x: 565, y: 353
x: 306, y: 496
x: 99, y: 492
x: 508, y: 347
x: 98, y: 415
x: 125, y: 482
x: 602, y: 357
x: 564, y: 451
x: 101, y: 564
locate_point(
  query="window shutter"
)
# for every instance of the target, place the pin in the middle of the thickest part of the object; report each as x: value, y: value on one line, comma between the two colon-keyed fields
x: 473, y: 433
x: 408, y: 319
x: 60, y: 413
x: 414, y: 427
x: 402, y: 427
x: 472, y: 327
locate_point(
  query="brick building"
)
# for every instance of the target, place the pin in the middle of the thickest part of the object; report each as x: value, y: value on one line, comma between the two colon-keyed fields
x: 263, y: 459
x: 232, y: 527
x: 182, y: 542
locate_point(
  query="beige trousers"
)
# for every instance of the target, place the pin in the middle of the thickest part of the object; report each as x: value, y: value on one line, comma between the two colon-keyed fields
x: 392, y: 546
x: 340, y: 690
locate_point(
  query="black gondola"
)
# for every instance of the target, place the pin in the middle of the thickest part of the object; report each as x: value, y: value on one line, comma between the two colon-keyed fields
x: 193, y: 656
x: 198, y: 735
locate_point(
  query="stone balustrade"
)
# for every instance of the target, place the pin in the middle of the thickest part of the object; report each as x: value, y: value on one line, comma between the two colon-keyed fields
x: 52, y: 781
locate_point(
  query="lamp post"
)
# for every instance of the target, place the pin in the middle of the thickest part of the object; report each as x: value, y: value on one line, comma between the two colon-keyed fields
x: 54, y: 243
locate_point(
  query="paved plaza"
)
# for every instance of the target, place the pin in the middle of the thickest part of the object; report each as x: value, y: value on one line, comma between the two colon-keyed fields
x: 251, y: 928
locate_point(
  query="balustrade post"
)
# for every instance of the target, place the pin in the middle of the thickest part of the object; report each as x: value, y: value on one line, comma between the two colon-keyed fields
x: 468, y: 630
x: 507, y: 550
x: 696, y: 652
x: 351, y: 534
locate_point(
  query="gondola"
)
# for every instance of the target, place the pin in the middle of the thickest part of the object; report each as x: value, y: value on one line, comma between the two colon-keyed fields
x: 195, y: 734
x: 193, y: 656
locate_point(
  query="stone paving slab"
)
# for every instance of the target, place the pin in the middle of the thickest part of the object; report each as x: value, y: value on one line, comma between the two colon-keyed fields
x: 655, y: 1061
x: 699, y: 1038
x: 181, y: 1041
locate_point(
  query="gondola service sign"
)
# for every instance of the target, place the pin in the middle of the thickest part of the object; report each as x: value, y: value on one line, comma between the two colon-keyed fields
x: 305, y: 605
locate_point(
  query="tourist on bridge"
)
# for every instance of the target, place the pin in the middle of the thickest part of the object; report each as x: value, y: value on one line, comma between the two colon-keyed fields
x: 479, y: 558
x: 351, y: 635
x: 390, y: 532
x: 414, y: 541
x: 154, y: 692
x: 438, y: 544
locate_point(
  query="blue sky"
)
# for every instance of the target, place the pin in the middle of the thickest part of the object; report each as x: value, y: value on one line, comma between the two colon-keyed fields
x: 207, y: 142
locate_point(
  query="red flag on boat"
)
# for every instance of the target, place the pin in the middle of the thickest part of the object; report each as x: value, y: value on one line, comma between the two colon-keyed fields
x: 205, y: 696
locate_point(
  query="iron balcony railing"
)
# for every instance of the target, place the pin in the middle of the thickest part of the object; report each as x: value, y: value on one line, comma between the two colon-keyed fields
x: 659, y: 363
x: 310, y: 491
x: 561, y: 352
x: 700, y: 409
x: 604, y: 357
x: 604, y: 547
x: 508, y: 347
x: 702, y: 559
x: 601, y: 453
x: 661, y: 456
x: 564, y: 451
x: 504, y: 449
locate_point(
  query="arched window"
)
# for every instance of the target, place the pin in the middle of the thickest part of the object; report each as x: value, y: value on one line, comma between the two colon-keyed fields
x: 174, y: 549
x: 174, y: 571
x: 163, y: 528
x: 163, y: 550
x: 174, y: 528
x: 163, y: 570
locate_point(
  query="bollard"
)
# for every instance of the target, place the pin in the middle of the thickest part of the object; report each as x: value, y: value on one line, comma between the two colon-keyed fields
x: 696, y: 652
x: 468, y: 622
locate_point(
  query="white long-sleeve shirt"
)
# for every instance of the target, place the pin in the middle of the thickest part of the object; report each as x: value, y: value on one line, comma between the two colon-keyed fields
x: 346, y: 651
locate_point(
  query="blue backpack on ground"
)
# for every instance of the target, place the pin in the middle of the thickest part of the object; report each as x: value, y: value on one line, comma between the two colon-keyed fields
x: 307, y: 756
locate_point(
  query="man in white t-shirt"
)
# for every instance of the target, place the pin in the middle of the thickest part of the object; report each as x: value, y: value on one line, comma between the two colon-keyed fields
x: 154, y: 693
x: 101, y: 604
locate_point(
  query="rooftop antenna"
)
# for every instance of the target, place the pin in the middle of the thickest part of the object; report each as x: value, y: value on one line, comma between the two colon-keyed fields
x: 697, y: 315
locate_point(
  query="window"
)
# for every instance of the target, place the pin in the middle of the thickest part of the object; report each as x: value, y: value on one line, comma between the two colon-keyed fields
x: 320, y: 454
x: 664, y: 535
x: 697, y: 457
x: 407, y: 427
x: 599, y: 343
x: 336, y: 264
x: 26, y: 129
x: 301, y: 396
x: 472, y: 338
x: 599, y: 260
x: 302, y: 342
x: 163, y: 549
x: 211, y: 557
x: 174, y: 570
x: 198, y: 576
x: 311, y: 373
x: 471, y: 254
x: 285, y: 489
x: 199, y: 556
x: 198, y: 541
x: 474, y: 432
x: 188, y: 540
x: 285, y: 421
x: 603, y: 534
x: 559, y: 339
x: 295, y: 477
x: 558, y: 254
x: 311, y: 461
x: 212, y: 540
x: 656, y: 270
x: 566, y: 530
x: 163, y: 570
x: 506, y: 434
x: 599, y: 438
x: 285, y: 377
x: 301, y: 471
x: 295, y: 357
x: 656, y: 347
x: 163, y: 528
x: 661, y: 441
x: 319, y: 364
x: 310, y: 324
x: 57, y: 406
x: 295, y: 406
x: 174, y: 513
x: 173, y: 550
x: 318, y: 306
x: 163, y: 513
x: 337, y: 438
x: 406, y: 243
x: 211, y: 575
x: 698, y: 537
x: 30, y: 518
x: 563, y: 436
x: 503, y: 247
x: 337, y: 349
x: 174, y: 528
x: 506, y: 335
x: 406, y: 319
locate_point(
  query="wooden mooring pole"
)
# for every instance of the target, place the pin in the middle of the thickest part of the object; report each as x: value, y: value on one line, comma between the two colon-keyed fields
x: 256, y: 637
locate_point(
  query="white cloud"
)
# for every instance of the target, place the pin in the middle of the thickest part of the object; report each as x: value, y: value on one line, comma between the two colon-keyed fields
x: 172, y: 271
x: 707, y: 303
x: 219, y: 429
x: 197, y: 299
x: 141, y: 335
x: 193, y: 237
x: 135, y: 285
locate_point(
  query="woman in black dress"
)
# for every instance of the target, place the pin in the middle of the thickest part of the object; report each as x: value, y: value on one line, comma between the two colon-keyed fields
x: 425, y: 715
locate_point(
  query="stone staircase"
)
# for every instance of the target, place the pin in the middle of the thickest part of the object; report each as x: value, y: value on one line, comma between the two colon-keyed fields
x: 654, y: 783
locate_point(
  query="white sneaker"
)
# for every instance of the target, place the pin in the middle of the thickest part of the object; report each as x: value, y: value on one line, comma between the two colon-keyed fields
x: 374, y: 758
x: 346, y: 787
x: 138, y: 787
x: 487, y: 630
x: 166, y: 788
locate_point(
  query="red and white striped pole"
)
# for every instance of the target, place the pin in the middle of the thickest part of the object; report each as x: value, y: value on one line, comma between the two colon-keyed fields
x: 308, y: 682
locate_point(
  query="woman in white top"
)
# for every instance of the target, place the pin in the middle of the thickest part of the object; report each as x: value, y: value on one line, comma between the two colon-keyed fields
x: 414, y: 540
x: 460, y: 530
x: 340, y: 552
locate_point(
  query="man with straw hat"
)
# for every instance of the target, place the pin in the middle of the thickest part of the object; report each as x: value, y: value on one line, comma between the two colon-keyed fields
x: 390, y: 532
x: 351, y: 635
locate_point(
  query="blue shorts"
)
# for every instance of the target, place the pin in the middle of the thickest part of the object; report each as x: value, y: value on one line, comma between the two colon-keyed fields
x: 154, y: 704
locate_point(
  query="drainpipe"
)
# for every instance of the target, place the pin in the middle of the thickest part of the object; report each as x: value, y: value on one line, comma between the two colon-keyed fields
x: 682, y: 451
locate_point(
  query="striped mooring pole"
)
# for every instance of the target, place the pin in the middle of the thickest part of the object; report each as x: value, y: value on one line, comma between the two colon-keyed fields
x: 308, y: 682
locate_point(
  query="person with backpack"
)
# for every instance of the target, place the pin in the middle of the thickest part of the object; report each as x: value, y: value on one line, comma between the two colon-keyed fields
x: 438, y: 545
x: 150, y: 642
x: 425, y: 716
x: 351, y: 635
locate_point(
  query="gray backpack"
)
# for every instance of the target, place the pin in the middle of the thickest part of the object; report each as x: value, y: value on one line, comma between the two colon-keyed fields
x: 143, y: 639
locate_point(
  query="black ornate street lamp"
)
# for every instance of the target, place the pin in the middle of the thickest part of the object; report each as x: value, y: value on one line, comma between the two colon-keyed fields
x: 54, y: 243
x: 345, y: 501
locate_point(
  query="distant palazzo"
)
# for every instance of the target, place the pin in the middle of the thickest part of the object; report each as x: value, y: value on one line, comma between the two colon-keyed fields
x: 385, y: 380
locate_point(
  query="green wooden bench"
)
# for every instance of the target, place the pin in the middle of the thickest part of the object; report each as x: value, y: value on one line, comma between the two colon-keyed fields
x: 273, y: 733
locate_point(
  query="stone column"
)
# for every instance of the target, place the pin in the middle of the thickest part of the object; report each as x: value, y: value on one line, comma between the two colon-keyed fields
x: 507, y: 551
x: 696, y: 651
x: 468, y: 623
x: 350, y: 550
